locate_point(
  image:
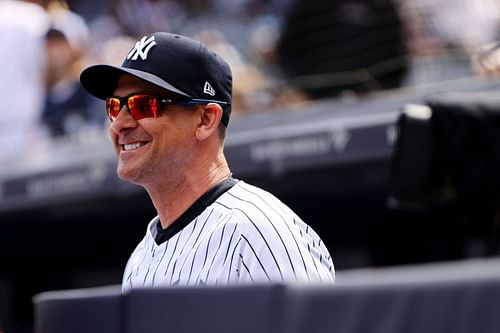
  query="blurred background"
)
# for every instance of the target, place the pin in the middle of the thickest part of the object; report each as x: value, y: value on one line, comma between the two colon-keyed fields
x: 319, y: 88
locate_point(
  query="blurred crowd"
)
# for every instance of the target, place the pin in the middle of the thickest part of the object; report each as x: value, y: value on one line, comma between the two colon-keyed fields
x: 282, y: 52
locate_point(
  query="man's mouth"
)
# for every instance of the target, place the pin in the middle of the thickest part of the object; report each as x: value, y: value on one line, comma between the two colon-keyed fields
x: 132, y: 146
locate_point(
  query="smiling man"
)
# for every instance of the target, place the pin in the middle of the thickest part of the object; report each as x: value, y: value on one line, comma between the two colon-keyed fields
x: 169, y: 106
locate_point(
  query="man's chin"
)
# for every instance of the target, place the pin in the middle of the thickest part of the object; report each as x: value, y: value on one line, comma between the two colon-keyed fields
x: 128, y: 175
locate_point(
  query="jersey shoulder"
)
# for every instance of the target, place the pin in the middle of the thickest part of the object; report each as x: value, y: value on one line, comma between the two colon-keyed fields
x: 251, y: 206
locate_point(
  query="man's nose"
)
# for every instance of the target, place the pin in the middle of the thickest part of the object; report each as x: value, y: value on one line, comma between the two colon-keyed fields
x: 123, y: 121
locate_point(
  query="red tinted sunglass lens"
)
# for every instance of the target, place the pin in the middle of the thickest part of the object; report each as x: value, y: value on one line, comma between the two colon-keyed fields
x: 113, y: 107
x: 143, y: 106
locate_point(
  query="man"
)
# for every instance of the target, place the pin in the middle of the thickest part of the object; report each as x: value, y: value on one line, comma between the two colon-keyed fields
x: 169, y: 105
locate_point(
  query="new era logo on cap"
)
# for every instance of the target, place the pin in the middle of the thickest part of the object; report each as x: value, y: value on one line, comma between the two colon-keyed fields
x: 207, y: 89
x: 142, y: 48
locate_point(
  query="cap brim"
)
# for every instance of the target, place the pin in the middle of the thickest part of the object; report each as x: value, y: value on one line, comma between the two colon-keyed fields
x: 101, y: 80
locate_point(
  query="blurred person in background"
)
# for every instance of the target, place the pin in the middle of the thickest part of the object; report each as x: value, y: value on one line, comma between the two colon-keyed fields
x: 454, y: 24
x: 23, y: 25
x: 328, y: 48
x: 445, y: 35
x: 68, y: 109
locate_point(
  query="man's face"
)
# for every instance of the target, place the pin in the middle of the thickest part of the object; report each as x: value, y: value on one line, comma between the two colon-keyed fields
x: 150, y: 149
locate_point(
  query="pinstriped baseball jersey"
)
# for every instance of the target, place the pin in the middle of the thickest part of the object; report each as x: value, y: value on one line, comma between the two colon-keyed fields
x: 246, y: 235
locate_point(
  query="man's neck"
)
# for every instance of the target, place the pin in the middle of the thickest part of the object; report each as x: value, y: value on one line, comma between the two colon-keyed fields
x: 175, y: 197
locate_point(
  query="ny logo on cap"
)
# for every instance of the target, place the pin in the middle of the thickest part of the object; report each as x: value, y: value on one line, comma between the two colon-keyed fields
x: 142, y: 48
x: 207, y: 89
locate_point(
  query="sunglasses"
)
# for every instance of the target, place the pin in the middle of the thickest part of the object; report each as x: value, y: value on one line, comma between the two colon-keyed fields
x: 147, y: 106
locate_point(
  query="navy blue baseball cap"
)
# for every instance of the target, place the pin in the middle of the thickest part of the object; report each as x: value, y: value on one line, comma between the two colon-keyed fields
x: 176, y: 63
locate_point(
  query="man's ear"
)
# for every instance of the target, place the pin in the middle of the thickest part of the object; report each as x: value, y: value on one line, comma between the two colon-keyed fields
x: 210, y: 118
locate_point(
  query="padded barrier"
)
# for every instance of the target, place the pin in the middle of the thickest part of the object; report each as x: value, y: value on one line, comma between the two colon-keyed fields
x: 450, y: 297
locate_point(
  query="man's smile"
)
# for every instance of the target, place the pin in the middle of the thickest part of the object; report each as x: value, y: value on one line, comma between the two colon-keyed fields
x: 133, y: 145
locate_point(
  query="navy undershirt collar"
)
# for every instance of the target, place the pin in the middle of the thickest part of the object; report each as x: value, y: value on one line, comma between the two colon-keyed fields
x: 162, y: 235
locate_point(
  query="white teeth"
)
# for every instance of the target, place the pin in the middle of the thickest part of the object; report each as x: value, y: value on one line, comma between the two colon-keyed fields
x: 132, y: 146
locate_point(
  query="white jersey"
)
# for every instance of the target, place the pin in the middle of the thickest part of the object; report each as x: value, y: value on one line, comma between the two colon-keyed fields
x: 245, y: 236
